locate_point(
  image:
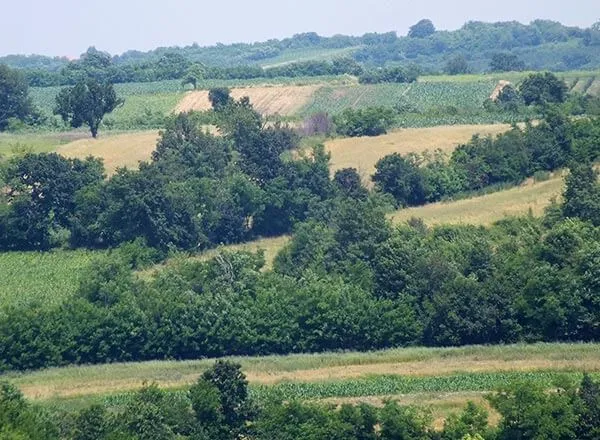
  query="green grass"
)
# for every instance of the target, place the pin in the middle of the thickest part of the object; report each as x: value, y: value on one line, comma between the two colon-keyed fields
x: 40, y: 279
x: 13, y: 143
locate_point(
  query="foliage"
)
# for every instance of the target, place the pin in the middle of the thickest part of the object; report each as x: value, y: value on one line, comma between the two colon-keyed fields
x: 422, y: 29
x: 457, y: 65
x: 543, y: 88
x: 87, y: 103
x: 506, y: 62
x: 372, y: 121
x: 15, y: 103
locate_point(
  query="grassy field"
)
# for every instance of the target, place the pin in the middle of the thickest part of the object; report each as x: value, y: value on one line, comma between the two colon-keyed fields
x: 446, y: 377
x: 363, y: 153
x: 531, y: 197
x: 117, y: 150
x: 40, y: 278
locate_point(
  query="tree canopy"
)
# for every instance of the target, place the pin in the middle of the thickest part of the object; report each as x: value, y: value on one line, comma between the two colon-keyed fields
x: 87, y: 103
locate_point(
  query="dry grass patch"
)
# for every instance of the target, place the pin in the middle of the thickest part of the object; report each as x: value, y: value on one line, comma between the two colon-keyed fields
x: 363, y: 153
x: 281, y: 100
x: 117, y: 150
x: 528, y: 198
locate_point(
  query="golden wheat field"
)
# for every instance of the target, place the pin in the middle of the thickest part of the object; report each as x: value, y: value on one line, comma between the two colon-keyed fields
x: 117, y: 150
x: 363, y: 153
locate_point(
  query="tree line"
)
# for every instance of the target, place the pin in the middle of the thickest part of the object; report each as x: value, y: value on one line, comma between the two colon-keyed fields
x: 348, y: 280
x: 219, y: 406
x: 477, y: 47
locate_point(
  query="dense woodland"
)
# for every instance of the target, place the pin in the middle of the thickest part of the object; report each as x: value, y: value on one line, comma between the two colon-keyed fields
x: 219, y: 407
x: 476, y: 47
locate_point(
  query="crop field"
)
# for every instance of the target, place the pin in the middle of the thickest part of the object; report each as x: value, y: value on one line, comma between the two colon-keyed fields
x: 531, y: 197
x: 281, y: 100
x: 421, y: 96
x: 363, y: 153
x: 443, y: 379
x: 117, y: 150
x: 40, y: 278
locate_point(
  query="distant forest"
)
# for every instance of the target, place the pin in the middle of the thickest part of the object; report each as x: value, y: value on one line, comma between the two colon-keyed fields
x: 476, y: 47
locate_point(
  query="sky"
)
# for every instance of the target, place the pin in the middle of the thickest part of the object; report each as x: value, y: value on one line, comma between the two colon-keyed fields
x: 69, y: 27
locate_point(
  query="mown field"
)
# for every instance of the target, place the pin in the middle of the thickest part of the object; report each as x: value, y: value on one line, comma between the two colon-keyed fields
x: 443, y: 378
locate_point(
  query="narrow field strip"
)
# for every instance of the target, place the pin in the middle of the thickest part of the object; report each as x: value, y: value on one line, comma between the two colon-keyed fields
x: 270, y: 371
x: 484, y: 210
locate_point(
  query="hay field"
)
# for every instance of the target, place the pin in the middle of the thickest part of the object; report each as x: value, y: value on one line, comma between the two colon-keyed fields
x: 484, y: 210
x: 363, y: 153
x: 281, y: 100
x: 117, y: 150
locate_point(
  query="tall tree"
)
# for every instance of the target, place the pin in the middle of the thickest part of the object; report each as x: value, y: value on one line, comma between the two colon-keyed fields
x: 14, y: 97
x: 87, y: 103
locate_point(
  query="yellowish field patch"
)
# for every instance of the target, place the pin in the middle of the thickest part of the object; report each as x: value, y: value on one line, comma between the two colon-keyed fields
x: 363, y: 153
x: 118, y: 150
x: 281, y: 100
x: 485, y: 210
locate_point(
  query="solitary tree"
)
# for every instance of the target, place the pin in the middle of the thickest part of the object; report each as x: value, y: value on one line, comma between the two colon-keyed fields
x: 14, y: 98
x: 195, y: 73
x: 87, y: 103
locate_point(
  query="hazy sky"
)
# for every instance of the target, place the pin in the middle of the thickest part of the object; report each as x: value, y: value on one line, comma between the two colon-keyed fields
x: 69, y: 27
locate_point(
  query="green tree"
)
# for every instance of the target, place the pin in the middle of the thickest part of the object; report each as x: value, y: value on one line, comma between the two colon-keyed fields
x: 582, y: 194
x: 506, y: 62
x: 457, y: 65
x: 235, y: 406
x: 87, y: 103
x: 543, y: 88
x: 14, y: 97
x: 402, y: 178
x: 422, y: 29
x: 194, y: 74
